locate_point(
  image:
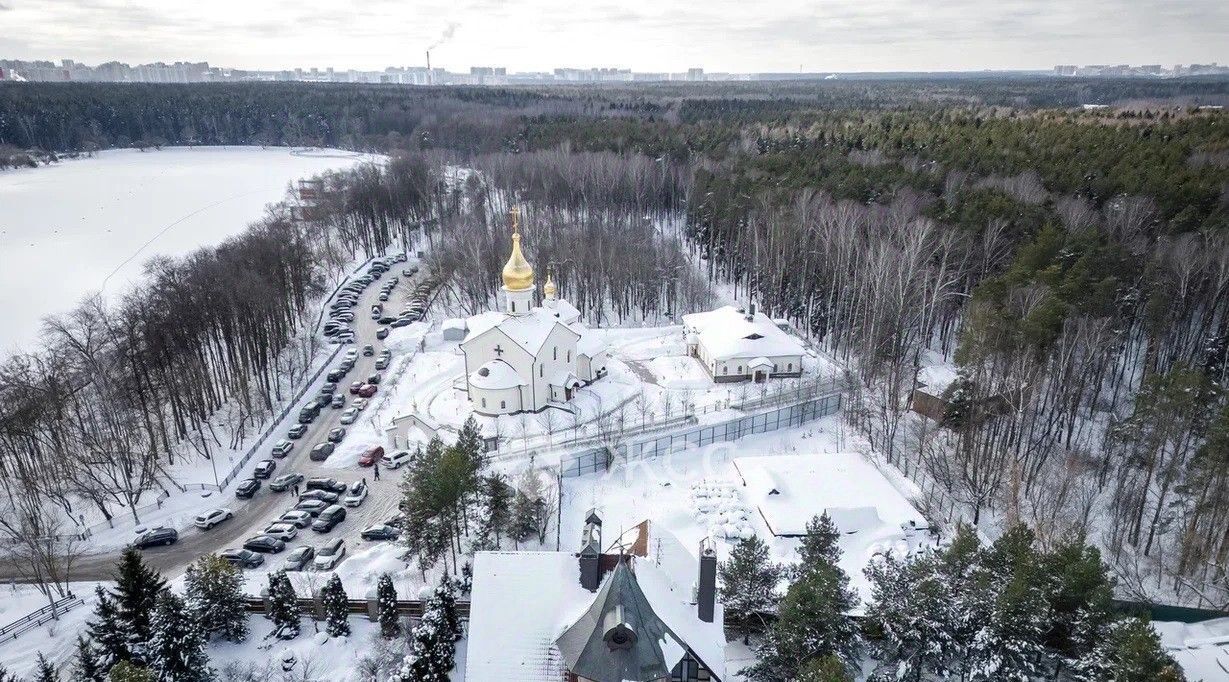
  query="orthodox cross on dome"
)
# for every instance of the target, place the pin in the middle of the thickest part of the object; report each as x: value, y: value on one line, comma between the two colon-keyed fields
x: 515, y: 212
x: 499, y: 350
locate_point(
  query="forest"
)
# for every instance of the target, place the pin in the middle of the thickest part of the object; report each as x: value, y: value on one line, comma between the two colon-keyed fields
x: 1070, y: 263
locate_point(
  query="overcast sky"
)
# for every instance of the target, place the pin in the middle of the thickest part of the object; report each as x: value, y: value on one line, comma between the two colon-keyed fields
x: 644, y: 35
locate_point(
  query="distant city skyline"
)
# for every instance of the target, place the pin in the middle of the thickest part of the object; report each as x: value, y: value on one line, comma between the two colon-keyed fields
x: 640, y: 35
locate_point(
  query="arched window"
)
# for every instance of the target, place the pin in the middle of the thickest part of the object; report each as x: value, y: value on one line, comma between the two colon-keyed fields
x: 556, y: 352
x: 514, y: 306
x: 790, y: 366
x: 569, y: 356
x: 541, y: 369
x: 503, y: 404
x: 484, y: 402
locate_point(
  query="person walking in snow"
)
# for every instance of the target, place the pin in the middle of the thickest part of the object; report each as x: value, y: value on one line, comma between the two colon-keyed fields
x: 296, y: 489
x: 377, y: 470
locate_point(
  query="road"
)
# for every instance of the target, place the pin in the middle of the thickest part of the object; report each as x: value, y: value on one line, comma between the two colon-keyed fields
x: 250, y: 516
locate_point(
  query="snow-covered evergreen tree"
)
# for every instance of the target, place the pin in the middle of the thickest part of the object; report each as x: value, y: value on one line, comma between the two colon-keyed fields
x: 1130, y: 651
x: 826, y: 669
x: 127, y: 671
x: 444, y: 600
x: 86, y: 666
x: 432, y: 644
x: 910, y: 611
x: 336, y: 614
x: 283, y: 606
x: 822, y: 543
x: 176, y: 651
x: 136, y: 592
x: 748, y: 586
x: 214, y: 590
x: 386, y: 600
x: 108, y: 633
x: 44, y: 671
x: 469, y: 443
x: 6, y: 676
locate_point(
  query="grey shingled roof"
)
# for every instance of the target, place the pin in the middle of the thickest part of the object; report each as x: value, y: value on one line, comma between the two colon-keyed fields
x: 620, y: 608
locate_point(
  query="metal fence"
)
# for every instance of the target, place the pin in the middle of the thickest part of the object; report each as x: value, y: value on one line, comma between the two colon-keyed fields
x: 780, y: 418
x: 585, y: 462
x: 32, y: 620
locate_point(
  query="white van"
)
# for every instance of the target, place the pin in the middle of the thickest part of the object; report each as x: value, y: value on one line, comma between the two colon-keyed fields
x: 396, y: 459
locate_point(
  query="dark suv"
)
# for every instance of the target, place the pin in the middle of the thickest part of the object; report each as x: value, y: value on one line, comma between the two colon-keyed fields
x: 329, y: 518
x: 161, y: 536
x: 330, y: 484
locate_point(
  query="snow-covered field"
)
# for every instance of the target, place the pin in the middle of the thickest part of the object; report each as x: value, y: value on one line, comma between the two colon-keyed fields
x: 85, y: 225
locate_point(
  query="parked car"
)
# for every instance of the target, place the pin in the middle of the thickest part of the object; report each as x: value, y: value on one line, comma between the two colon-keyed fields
x: 359, y: 404
x: 212, y: 518
x: 339, y: 401
x: 369, y: 350
x: 371, y: 456
x: 355, y: 387
x: 281, y: 448
x: 264, y: 468
x: 329, y: 518
x: 296, y: 432
x: 308, y: 414
x: 396, y: 459
x: 349, y: 416
x: 367, y: 390
x: 382, y: 333
x: 242, y: 558
x: 387, y: 319
x: 382, y: 363
x: 328, y: 388
x: 321, y: 451
x: 380, y: 532
x: 156, y: 537
x: 247, y: 488
x: 322, y: 401
x: 401, y: 322
x: 311, y: 507
x: 282, y: 531
x: 265, y: 544
x: 299, y: 559
x: 285, y: 482
x: 373, y: 378
x: 351, y: 353
x: 329, y: 555
x: 335, y: 374
x: 330, y: 484
x: 336, y: 434
x: 322, y: 495
x: 356, y: 495
x: 300, y: 519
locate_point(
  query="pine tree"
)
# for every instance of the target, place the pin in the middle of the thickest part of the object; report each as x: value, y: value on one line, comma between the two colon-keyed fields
x: 336, y: 612
x: 386, y: 599
x: 469, y: 442
x: 826, y: 669
x: 496, y: 512
x: 136, y: 592
x: 214, y: 590
x: 821, y: 545
x: 44, y: 671
x: 87, y: 667
x: 1131, y: 651
x: 748, y: 586
x: 445, y: 601
x: 910, y: 616
x: 127, y: 671
x: 1080, y: 599
x: 108, y: 633
x: 6, y: 676
x: 177, y: 644
x: 283, y: 606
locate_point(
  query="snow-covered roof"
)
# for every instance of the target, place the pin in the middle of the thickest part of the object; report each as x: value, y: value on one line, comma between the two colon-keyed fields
x: 495, y: 375
x: 727, y: 333
x: 791, y: 489
x: 936, y: 378
x: 1202, y: 649
x: 514, y: 639
x: 454, y: 323
x: 591, y: 342
x: 529, y: 331
x: 564, y: 311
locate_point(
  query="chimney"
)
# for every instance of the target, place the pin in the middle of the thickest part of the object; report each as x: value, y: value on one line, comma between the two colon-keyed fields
x: 591, y: 552
x: 706, y: 586
x: 751, y: 313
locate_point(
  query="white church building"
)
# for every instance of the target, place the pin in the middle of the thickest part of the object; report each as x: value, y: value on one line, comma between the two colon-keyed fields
x: 527, y: 358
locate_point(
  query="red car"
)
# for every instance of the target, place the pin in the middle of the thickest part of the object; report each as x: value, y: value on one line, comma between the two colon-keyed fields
x: 370, y: 457
x: 356, y: 387
x: 367, y: 390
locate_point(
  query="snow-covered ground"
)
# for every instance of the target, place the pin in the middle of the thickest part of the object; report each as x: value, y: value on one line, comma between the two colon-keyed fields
x: 90, y: 224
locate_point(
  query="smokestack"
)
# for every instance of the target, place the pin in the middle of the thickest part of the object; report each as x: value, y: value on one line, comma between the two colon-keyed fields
x: 591, y: 552
x: 706, y: 585
x: 430, y: 76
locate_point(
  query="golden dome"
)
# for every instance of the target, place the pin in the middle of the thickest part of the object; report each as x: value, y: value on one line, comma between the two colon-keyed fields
x: 549, y: 289
x: 518, y: 273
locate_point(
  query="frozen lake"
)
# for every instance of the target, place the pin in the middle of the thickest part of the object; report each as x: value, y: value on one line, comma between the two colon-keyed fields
x: 82, y: 226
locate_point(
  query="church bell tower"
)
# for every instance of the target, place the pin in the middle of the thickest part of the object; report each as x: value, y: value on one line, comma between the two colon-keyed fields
x: 517, y: 274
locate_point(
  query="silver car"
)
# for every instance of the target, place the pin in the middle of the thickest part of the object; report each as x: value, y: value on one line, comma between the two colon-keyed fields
x: 349, y: 416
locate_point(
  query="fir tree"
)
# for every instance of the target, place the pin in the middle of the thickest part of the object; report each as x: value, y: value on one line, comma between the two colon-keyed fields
x: 136, y: 592
x: 444, y: 600
x: 336, y: 613
x: 469, y: 443
x: 177, y: 644
x: 386, y: 599
x: 87, y: 667
x: 1131, y: 651
x: 909, y: 616
x: 748, y: 586
x: 44, y: 671
x: 214, y: 590
x: 127, y: 671
x: 108, y: 633
x: 826, y: 669
x: 496, y: 512
x: 821, y: 545
x: 1080, y: 599
x: 283, y: 606
x: 6, y: 676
